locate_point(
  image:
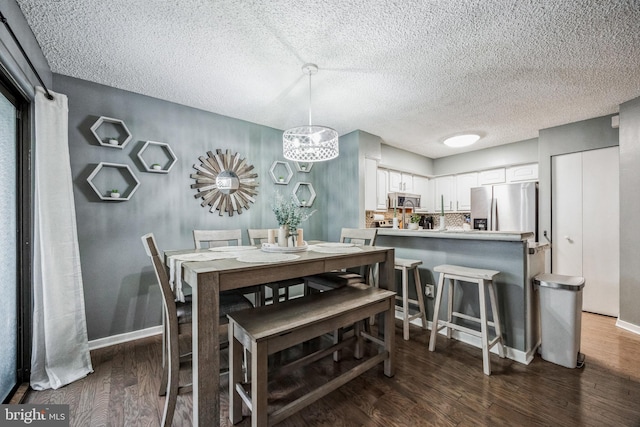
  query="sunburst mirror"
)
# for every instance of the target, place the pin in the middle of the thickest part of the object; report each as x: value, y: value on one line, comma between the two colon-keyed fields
x: 225, y: 182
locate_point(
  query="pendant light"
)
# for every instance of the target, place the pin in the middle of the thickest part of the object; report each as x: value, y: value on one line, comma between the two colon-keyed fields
x: 310, y: 143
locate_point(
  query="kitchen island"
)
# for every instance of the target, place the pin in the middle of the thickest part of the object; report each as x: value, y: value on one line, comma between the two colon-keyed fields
x: 511, y: 253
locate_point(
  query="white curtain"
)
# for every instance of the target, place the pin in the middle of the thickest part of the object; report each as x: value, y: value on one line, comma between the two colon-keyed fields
x: 60, y: 351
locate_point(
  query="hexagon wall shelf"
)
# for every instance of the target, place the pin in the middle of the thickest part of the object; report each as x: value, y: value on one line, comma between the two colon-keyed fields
x: 281, y: 172
x: 304, y: 166
x: 107, y: 176
x: 111, y: 133
x: 304, y: 194
x: 159, y: 157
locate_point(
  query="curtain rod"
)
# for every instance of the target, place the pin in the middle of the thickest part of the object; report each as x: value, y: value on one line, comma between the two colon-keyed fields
x: 15, y: 39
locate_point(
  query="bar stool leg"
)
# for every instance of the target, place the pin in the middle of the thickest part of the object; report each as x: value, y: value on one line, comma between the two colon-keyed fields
x: 436, y: 311
x: 451, y: 287
x: 496, y: 320
x: 405, y: 305
x: 423, y: 317
x: 486, y: 363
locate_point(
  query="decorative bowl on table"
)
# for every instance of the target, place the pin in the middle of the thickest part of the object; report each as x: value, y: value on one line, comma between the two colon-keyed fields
x: 273, y: 247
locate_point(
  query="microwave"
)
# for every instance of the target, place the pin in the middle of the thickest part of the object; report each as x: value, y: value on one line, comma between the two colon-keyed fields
x: 400, y: 200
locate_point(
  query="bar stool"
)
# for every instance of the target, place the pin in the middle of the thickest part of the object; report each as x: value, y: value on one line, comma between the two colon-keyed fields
x: 483, y: 278
x: 405, y: 265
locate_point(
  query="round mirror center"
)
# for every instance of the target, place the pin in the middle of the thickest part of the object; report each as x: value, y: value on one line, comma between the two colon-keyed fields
x: 227, y: 182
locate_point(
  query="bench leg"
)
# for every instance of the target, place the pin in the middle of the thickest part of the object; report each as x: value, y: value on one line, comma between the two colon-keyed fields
x: 357, y: 329
x: 259, y: 381
x: 389, y: 338
x: 436, y: 313
x: 235, y: 375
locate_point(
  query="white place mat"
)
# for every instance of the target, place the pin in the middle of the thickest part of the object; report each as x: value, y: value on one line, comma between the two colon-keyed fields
x: 335, y: 245
x: 335, y: 250
x: 260, y: 257
x: 232, y: 248
x: 175, y: 267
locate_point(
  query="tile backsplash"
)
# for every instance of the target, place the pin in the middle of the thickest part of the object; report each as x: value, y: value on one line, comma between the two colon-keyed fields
x: 453, y: 220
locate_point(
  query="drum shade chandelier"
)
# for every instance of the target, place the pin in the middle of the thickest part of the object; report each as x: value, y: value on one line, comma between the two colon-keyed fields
x: 310, y: 143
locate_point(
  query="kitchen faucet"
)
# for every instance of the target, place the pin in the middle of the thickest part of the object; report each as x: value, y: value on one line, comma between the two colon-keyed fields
x: 404, y: 211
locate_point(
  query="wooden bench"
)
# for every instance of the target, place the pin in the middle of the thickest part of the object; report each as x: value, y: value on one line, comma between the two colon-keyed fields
x: 270, y: 329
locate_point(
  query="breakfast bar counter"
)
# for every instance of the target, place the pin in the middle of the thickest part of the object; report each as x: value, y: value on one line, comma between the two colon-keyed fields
x: 511, y: 253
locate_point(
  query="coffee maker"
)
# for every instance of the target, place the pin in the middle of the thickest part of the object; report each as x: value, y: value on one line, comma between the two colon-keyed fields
x: 426, y: 222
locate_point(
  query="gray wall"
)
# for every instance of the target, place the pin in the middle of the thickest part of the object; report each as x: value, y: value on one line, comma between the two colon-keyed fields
x: 629, y: 209
x: 395, y: 158
x: 120, y: 291
x: 489, y: 158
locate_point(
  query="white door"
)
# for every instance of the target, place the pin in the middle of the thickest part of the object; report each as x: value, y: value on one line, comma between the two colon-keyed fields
x: 601, y: 222
x: 585, y: 225
x: 566, y: 214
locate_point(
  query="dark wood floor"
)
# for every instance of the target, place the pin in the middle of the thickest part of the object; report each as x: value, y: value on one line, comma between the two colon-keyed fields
x: 445, y: 388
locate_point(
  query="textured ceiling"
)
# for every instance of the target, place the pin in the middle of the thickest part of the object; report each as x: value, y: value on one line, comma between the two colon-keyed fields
x: 412, y: 72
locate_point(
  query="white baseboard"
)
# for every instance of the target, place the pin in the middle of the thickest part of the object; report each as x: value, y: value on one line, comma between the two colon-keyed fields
x: 129, y: 336
x: 628, y: 326
x: 513, y: 354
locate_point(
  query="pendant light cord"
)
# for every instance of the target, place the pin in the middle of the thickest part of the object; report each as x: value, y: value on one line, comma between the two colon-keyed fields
x: 15, y: 39
x: 310, y: 97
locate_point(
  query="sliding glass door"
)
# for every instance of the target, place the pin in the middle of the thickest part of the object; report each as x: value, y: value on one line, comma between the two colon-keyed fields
x: 14, y: 259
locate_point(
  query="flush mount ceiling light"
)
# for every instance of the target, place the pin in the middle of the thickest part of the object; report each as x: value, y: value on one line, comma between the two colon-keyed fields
x: 310, y: 143
x: 462, y: 140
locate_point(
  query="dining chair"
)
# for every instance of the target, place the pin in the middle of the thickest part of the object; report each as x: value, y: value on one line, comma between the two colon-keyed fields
x: 216, y: 238
x: 177, y: 323
x: 258, y: 236
x: 337, y: 279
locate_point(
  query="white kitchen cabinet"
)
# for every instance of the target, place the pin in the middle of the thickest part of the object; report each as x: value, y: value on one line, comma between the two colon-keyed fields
x: 493, y: 176
x: 421, y: 187
x: 445, y: 190
x: 464, y: 183
x: 521, y: 173
x: 370, y: 184
x: 585, y: 225
x: 400, y: 182
x: 382, y: 190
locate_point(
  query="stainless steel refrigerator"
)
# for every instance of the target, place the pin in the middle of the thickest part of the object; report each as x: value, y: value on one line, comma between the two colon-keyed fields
x: 505, y: 207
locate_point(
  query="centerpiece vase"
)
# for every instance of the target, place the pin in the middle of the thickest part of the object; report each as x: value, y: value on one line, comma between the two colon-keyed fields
x: 442, y: 224
x: 283, y: 236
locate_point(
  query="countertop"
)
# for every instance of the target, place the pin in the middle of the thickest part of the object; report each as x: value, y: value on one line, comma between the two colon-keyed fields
x: 508, y: 236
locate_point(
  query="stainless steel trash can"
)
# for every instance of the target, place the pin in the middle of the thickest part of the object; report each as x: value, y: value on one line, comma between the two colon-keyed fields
x: 560, y: 318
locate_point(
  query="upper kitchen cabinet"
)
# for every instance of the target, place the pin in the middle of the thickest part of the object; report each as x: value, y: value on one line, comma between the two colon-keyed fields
x: 424, y: 188
x: 370, y: 184
x: 445, y: 192
x: 528, y: 172
x: 464, y: 183
x: 376, y: 186
x: 400, y: 182
x: 493, y: 176
x: 382, y: 178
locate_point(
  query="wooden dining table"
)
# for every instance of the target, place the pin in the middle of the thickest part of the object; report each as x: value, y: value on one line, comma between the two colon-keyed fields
x: 209, y: 278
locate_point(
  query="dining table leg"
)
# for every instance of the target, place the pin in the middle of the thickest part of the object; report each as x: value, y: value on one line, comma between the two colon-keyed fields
x: 386, y: 280
x: 206, y: 351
